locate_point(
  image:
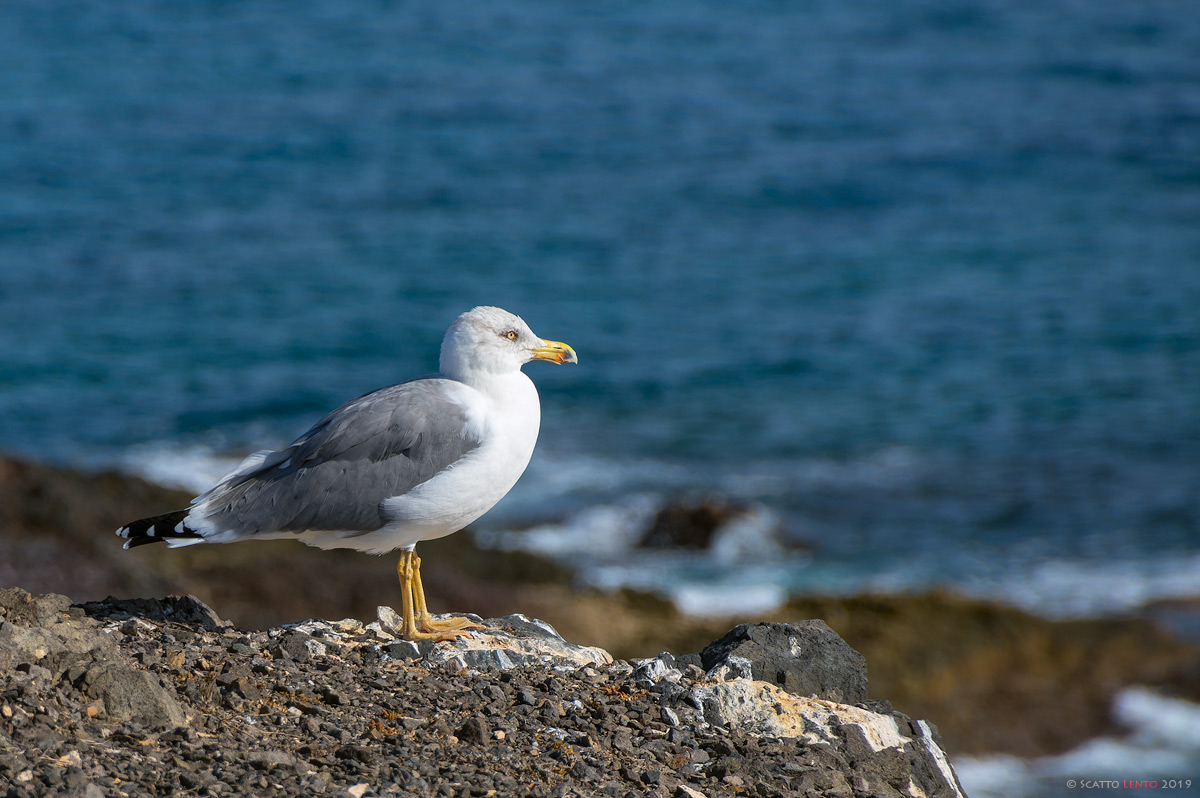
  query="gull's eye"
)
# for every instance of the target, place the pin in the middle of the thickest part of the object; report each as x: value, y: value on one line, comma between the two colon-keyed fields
x: 511, y: 335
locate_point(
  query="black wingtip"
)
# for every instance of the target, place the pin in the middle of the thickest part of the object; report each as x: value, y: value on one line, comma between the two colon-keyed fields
x: 157, y: 529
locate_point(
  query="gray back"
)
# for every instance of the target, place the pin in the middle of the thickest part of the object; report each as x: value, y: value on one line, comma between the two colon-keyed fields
x: 334, y: 476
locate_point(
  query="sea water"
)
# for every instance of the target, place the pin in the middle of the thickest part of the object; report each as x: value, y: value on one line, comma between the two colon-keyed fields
x: 917, y: 282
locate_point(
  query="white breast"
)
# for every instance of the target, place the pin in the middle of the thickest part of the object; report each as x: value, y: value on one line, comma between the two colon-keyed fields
x: 506, y: 414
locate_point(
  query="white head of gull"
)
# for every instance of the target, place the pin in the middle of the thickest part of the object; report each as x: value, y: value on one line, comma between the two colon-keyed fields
x: 406, y: 463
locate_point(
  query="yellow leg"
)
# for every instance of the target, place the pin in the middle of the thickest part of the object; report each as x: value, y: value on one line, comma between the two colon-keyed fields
x: 418, y: 625
x: 404, y: 570
x: 424, y: 621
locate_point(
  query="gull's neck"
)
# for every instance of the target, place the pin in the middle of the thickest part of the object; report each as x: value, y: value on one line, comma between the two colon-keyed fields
x: 512, y: 398
x: 497, y: 385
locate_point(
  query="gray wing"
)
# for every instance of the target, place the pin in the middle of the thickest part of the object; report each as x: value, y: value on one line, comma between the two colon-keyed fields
x: 334, y: 476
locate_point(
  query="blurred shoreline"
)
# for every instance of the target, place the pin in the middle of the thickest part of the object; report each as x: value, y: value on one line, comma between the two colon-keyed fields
x: 995, y: 679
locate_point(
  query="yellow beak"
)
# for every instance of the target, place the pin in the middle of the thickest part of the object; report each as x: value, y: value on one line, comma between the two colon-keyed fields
x: 555, y: 352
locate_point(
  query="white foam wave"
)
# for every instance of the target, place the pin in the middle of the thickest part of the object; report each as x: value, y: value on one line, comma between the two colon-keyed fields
x: 1163, y: 743
x: 603, y: 530
x: 727, y: 600
x: 745, y: 569
x: 1159, y: 719
x: 1085, y: 588
x: 751, y: 535
x: 697, y: 584
x: 196, y: 468
x: 999, y: 776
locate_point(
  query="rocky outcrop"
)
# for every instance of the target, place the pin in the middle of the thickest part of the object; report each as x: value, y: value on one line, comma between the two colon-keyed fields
x: 45, y: 641
x: 156, y: 697
x: 805, y: 658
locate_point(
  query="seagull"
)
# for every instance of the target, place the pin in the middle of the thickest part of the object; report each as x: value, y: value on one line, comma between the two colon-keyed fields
x: 410, y: 462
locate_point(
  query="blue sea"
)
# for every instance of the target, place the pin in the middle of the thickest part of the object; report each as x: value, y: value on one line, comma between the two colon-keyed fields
x: 919, y: 282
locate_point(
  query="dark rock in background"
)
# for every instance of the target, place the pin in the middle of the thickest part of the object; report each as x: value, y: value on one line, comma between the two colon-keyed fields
x: 688, y: 525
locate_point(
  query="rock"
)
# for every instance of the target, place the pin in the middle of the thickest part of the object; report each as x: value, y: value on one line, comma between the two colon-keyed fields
x: 43, y: 630
x: 87, y: 790
x: 728, y: 532
x: 391, y: 621
x: 688, y: 525
x: 132, y: 695
x: 20, y: 608
x: 732, y: 668
x: 298, y: 646
x: 804, y: 658
x: 70, y: 759
x: 886, y: 752
x: 265, y: 760
x: 474, y: 730
x: 182, y: 609
x: 516, y: 641
x: 356, y: 752
x: 525, y: 626
x: 653, y: 671
x: 684, y: 791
